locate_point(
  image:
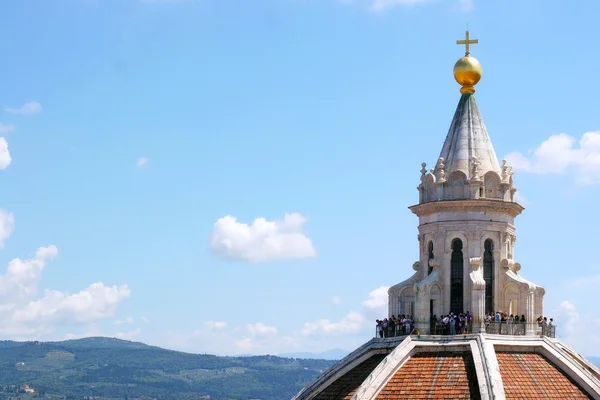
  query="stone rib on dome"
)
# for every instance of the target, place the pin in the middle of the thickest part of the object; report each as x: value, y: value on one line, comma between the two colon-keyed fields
x: 468, y: 138
x: 470, y: 366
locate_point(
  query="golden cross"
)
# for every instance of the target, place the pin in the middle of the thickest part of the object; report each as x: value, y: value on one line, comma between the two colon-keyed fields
x: 467, y: 42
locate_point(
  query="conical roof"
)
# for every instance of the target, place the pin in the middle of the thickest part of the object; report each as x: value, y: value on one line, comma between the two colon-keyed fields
x: 468, y: 139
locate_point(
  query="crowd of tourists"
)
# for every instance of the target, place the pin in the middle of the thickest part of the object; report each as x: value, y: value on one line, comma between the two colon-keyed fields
x: 394, y: 326
x: 462, y: 323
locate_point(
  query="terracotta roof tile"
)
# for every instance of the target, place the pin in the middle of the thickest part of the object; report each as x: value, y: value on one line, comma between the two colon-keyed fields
x: 444, y: 375
x: 344, y: 387
x: 531, y: 375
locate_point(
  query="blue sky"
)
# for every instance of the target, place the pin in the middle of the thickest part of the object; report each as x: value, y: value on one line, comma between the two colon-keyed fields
x: 138, y: 131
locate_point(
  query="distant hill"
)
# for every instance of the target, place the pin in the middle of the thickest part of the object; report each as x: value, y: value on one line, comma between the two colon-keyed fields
x: 334, y: 354
x: 111, y: 369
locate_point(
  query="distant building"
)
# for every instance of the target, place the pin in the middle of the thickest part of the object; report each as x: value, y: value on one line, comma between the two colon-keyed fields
x: 467, y: 240
x: 27, y: 389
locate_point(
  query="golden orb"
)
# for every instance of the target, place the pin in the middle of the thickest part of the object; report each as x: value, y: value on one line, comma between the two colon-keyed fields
x: 467, y: 72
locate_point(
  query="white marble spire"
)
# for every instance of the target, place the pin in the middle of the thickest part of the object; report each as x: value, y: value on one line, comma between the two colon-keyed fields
x: 467, y: 141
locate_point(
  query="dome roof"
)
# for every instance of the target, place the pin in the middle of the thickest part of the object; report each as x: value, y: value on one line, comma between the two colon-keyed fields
x: 476, y: 366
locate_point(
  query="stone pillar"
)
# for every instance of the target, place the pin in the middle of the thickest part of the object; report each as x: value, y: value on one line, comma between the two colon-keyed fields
x: 478, y: 311
x: 446, y: 280
x: 477, y: 294
x: 422, y: 317
x: 529, y: 309
x: 392, y: 304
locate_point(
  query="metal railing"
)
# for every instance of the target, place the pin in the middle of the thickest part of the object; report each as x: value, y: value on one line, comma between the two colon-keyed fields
x: 396, y: 330
x: 494, y: 328
x: 520, y: 328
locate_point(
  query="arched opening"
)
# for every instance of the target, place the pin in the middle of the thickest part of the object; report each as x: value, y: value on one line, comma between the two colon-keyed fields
x: 457, y: 184
x: 491, y: 181
x: 430, y: 251
x: 456, y: 277
x: 488, y: 274
x: 407, y: 302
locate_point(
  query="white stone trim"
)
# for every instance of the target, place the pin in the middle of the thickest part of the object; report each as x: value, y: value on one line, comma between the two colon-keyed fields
x: 588, y: 378
x: 494, y: 385
x: 370, y: 388
x: 336, y: 371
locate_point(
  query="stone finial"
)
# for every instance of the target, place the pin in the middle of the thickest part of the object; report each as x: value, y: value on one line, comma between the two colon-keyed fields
x: 423, y: 171
x: 504, y: 168
x: 440, y: 169
x: 474, y: 168
x: 510, y: 172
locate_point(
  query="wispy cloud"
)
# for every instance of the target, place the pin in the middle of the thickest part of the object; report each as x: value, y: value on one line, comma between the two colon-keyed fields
x: 6, y: 128
x: 141, y: 162
x: 383, y: 5
x: 31, y: 107
x: 379, y: 5
x: 563, y: 153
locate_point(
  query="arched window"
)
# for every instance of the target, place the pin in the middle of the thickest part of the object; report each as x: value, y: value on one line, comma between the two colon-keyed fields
x: 456, y: 277
x: 488, y: 274
x: 430, y: 250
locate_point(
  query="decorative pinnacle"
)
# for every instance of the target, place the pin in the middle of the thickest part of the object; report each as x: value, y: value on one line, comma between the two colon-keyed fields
x: 467, y: 70
x: 467, y: 42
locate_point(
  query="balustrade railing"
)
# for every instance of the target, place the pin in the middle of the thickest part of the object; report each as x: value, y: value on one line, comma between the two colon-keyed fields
x: 494, y: 328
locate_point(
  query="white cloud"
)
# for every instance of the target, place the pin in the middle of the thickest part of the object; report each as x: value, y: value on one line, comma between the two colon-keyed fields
x: 244, y: 344
x: 141, y: 162
x: 5, y: 158
x: 352, y: 322
x: 377, y: 300
x: 6, y: 128
x: 381, y: 5
x: 94, y: 303
x: 25, y: 317
x: 31, y: 107
x: 336, y: 300
x: 215, y: 325
x: 262, y: 241
x: 128, y: 335
x: 375, y: 306
x: 562, y: 153
x: 218, y: 337
x: 7, y: 225
x: 260, y: 329
x: 577, y: 329
x: 466, y: 5
x: 125, y: 321
x: 145, y: 319
x: 22, y: 276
